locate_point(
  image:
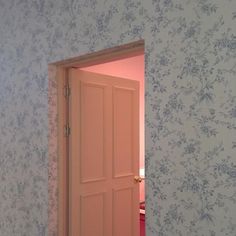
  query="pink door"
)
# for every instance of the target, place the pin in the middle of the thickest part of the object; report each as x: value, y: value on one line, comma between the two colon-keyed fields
x: 104, y: 156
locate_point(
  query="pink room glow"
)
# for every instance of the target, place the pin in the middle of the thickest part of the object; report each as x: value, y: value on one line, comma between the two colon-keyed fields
x: 129, y: 68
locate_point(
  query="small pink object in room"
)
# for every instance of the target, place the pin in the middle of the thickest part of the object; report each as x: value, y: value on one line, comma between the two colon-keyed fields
x: 142, y: 219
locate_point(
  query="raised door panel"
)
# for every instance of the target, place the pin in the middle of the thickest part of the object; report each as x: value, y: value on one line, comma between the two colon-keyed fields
x: 92, y: 125
x: 123, y: 212
x: 92, y: 215
x: 123, y: 136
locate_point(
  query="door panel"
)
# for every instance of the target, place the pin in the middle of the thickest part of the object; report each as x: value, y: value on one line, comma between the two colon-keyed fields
x: 123, y: 103
x: 104, y: 155
x: 123, y: 223
x: 92, y: 211
x: 92, y: 119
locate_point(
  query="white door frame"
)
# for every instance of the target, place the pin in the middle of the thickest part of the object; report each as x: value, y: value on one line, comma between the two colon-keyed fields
x: 107, y: 55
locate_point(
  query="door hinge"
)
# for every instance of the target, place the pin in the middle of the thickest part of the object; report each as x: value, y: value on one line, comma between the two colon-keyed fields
x: 67, y: 91
x: 67, y: 130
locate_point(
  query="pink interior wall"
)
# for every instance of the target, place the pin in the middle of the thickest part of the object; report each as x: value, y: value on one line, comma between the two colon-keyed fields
x: 130, y: 68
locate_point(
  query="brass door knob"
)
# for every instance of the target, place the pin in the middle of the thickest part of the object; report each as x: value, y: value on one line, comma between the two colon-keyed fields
x: 138, y: 179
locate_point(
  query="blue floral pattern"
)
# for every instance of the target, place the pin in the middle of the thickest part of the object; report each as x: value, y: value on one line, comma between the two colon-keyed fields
x: 190, y: 59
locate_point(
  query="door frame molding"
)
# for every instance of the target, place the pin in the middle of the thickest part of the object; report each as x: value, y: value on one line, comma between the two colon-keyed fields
x: 57, y: 84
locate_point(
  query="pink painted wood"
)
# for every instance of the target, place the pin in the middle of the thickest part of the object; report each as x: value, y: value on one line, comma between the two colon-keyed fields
x: 104, y: 156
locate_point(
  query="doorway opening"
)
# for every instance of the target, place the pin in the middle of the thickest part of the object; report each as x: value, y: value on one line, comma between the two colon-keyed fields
x: 127, y: 63
x: 130, y: 68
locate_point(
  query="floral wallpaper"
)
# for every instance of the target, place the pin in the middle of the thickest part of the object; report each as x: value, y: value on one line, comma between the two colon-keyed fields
x: 190, y: 76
